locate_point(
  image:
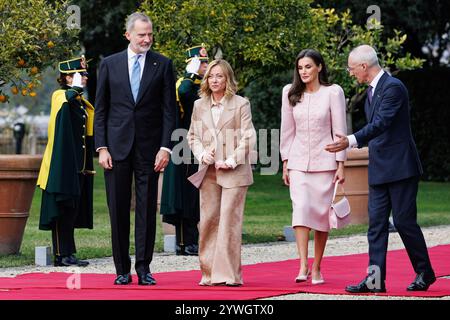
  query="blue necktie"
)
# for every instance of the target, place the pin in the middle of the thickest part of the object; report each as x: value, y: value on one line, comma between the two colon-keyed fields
x: 369, y: 94
x: 136, y: 77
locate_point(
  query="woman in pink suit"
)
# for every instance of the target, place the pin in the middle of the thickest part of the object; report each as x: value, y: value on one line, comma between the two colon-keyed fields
x: 313, y: 112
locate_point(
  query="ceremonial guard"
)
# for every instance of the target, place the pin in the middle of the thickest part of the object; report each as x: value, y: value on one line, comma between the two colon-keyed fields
x: 66, y: 174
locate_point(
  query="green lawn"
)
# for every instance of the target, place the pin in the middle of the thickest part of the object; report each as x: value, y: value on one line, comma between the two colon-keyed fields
x: 268, y: 209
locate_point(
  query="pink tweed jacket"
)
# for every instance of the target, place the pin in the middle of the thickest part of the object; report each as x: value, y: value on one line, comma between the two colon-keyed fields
x: 309, y: 126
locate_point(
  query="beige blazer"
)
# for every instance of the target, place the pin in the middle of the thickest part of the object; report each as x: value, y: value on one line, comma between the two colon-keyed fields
x: 309, y: 126
x: 234, y: 137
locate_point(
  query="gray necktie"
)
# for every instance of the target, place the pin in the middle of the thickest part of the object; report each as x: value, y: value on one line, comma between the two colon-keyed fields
x: 136, y: 77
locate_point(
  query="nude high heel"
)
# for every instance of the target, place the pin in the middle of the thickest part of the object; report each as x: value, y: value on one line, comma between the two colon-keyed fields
x: 302, y: 278
x: 318, y: 281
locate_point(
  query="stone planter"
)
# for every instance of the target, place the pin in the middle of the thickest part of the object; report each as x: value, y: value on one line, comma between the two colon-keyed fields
x: 18, y: 176
x: 356, y: 184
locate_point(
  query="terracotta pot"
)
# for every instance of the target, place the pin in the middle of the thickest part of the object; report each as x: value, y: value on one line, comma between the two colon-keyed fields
x: 18, y: 176
x: 356, y: 184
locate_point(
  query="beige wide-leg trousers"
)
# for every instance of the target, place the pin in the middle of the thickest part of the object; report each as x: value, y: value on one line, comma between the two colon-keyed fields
x: 220, y: 234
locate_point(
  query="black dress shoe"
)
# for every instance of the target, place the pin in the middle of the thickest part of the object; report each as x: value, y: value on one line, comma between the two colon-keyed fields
x: 78, y: 262
x: 69, y: 261
x: 58, y: 262
x: 422, y: 282
x: 191, y: 250
x: 146, y: 279
x: 180, y: 250
x: 362, y: 287
x: 123, y: 279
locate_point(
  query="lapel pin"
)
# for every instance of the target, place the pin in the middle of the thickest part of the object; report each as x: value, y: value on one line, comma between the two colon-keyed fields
x: 154, y: 63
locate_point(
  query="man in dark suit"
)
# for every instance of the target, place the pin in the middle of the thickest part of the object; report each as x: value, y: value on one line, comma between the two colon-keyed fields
x: 134, y: 120
x: 394, y: 171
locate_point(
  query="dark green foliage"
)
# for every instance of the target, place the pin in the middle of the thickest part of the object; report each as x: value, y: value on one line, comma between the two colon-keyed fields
x: 430, y: 102
x: 265, y: 98
x: 421, y: 20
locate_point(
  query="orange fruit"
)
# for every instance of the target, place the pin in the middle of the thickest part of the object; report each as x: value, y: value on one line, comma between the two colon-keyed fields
x: 33, y: 94
x: 50, y: 44
x: 21, y: 62
x: 14, y: 90
x: 2, y: 98
x: 24, y: 92
x: 30, y: 85
x: 34, y: 70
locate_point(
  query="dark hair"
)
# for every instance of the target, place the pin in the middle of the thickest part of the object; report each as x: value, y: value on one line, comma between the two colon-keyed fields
x: 298, y: 86
x: 62, y: 79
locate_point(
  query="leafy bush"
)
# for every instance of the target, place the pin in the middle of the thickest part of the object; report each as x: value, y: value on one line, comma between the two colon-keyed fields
x: 34, y: 35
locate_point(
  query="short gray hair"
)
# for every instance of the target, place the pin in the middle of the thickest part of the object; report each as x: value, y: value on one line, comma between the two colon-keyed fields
x: 132, y: 18
x: 365, y: 54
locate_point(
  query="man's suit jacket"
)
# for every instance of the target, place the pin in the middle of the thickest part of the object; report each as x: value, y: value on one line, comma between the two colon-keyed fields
x: 120, y: 122
x: 234, y: 136
x: 393, y: 154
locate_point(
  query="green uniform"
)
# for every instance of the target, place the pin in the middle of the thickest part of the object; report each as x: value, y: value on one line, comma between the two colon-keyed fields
x: 179, y: 198
x: 66, y: 175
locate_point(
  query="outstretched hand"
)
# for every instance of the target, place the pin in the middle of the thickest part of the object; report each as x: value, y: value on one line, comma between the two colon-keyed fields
x: 339, y: 145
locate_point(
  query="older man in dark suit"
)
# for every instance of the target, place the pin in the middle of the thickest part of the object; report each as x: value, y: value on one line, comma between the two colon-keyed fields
x: 394, y: 170
x: 134, y: 120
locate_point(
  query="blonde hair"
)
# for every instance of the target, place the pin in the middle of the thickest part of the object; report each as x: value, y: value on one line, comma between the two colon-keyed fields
x: 231, y: 83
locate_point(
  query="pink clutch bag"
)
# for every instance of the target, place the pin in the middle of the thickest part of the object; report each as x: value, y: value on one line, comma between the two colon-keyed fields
x: 339, y: 214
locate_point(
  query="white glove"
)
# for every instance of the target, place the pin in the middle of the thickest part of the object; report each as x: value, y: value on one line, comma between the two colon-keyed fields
x: 193, y: 65
x: 76, y: 82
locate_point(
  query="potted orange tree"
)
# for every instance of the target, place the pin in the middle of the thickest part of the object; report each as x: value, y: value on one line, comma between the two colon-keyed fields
x: 42, y: 38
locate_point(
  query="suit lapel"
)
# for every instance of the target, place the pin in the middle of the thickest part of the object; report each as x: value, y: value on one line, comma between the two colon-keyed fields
x: 150, y: 68
x: 377, y: 96
x: 206, y: 116
x: 208, y: 125
x: 124, y: 70
x: 227, y: 114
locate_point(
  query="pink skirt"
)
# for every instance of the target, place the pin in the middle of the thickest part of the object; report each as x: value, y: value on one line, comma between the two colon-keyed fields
x: 311, y: 195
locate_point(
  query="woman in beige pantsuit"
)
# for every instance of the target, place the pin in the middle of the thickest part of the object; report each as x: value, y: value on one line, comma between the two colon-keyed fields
x: 221, y: 137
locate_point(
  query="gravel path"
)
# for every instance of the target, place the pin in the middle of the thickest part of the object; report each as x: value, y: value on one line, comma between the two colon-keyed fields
x: 256, y: 253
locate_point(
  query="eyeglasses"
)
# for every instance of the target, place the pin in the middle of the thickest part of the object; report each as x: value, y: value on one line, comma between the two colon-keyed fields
x: 353, y: 68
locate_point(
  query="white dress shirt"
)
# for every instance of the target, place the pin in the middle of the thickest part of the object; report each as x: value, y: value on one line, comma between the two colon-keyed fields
x: 216, y: 109
x: 216, y: 112
x: 351, y: 138
x: 132, y: 58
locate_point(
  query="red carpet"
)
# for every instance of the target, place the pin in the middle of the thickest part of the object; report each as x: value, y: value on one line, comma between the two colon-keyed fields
x: 260, y: 281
